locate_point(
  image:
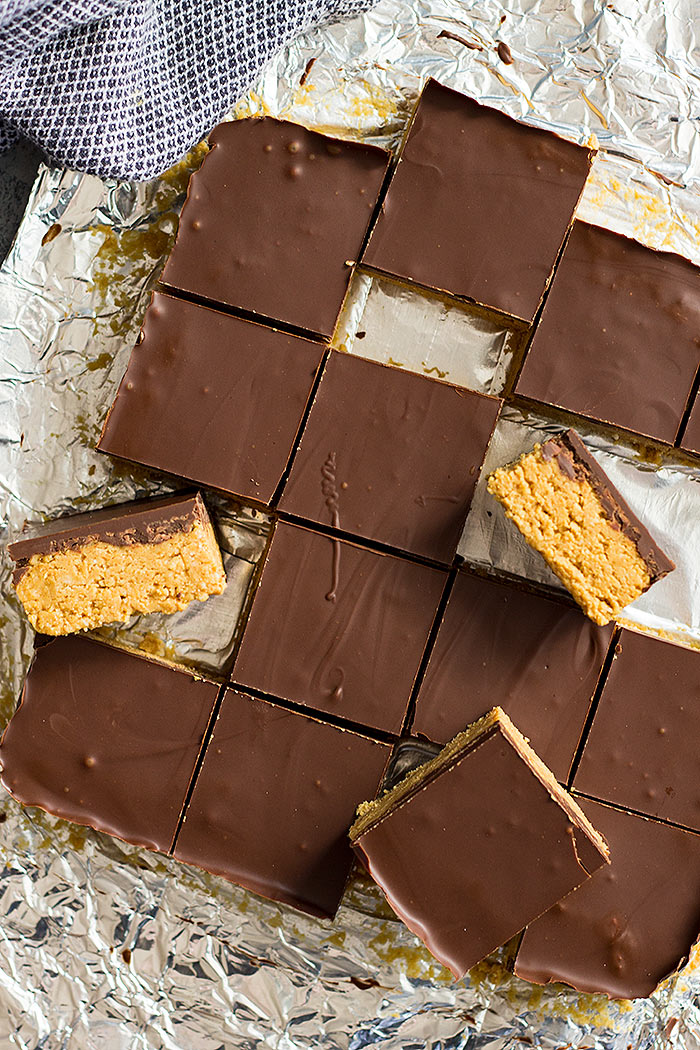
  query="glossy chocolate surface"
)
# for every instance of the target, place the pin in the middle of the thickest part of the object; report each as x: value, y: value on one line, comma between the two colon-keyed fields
x: 642, y: 750
x: 574, y: 460
x: 479, y: 204
x: 338, y: 628
x: 618, y: 337
x: 212, y: 398
x: 691, y: 435
x: 106, y: 739
x: 274, y: 219
x: 274, y: 799
x: 143, y: 521
x: 476, y: 853
x: 536, y: 658
x: 632, y: 923
x: 390, y: 456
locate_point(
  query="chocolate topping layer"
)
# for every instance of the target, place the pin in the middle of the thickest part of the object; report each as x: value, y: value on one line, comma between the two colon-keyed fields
x: 479, y: 204
x: 574, y: 460
x: 642, y: 750
x: 212, y: 398
x: 274, y: 219
x: 398, y: 455
x: 107, y: 739
x: 691, y: 435
x: 143, y: 521
x: 536, y: 658
x: 632, y: 923
x: 338, y: 628
x: 618, y: 337
x: 274, y: 800
x: 478, y: 850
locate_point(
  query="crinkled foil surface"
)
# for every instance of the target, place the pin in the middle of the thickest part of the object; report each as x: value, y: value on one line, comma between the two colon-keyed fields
x: 113, y: 948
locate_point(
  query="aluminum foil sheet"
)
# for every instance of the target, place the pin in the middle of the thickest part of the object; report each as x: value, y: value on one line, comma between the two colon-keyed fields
x: 105, y: 947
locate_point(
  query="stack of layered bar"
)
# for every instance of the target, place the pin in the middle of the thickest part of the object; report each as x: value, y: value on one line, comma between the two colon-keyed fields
x: 364, y: 630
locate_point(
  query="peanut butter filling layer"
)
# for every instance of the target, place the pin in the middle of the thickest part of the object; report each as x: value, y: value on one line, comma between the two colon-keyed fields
x: 98, y: 583
x: 562, y: 517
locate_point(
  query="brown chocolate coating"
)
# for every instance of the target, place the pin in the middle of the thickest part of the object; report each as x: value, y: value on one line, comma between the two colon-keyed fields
x: 632, y: 923
x: 143, y: 521
x: 212, y: 398
x: 107, y: 739
x: 390, y: 456
x: 536, y: 658
x: 476, y: 853
x: 618, y: 337
x: 642, y: 750
x: 273, y: 802
x: 691, y: 435
x: 574, y: 460
x: 337, y: 628
x: 274, y: 219
x: 479, y: 204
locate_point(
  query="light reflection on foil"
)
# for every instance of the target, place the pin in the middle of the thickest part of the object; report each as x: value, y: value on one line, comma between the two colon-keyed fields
x: 109, y: 947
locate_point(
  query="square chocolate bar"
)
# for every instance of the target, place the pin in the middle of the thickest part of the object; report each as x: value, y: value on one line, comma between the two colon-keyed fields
x: 535, y: 657
x: 274, y: 220
x: 618, y: 337
x: 632, y: 923
x: 690, y: 440
x: 476, y: 843
x: 274, y: 799
x: 479, y: 204
x: 338, y: 628
x: 642, y: 750
x: 212, y: 398
x: 390, y: 456
x: 106, y: 738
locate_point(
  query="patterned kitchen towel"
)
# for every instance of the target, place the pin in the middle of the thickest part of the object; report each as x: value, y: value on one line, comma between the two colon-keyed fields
x: 124, y: 88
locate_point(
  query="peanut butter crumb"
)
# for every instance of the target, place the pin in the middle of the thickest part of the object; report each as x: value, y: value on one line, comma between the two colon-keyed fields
x: 563, y: 519
x: 99, y: 583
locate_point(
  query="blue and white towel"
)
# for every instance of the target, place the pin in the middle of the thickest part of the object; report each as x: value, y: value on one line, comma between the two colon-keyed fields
x: 124, y: 88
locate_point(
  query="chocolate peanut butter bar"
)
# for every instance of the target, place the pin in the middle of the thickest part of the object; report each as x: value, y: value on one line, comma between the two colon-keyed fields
x: 338, y: 628
x: 274, y: 799
x: 212, y: 398
x: 537, y: 658
x: 567, y: 509
x: 632, y: 923
x: 275, y: 219
x: 390, y: 456
x: 106, y: 738
x: 479, y: 204
x: 84, y: 570
x: 690, y: 440
x: 642, y: 749
x: 618, y: 336
x: 476, y: 843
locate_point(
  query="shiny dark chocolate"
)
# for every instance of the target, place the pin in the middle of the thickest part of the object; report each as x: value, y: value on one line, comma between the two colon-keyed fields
x: 691, y: 434
x: 642, y: 750
x: 479, y: 204
x: 212, y: 398
x: 574, y: 460
x: 143, y: 521
x: 107, y: 739
x: 632, y: 923
x: 274, y: 220
x: 390, y: 456
x: 274, y: 799
x: 338, y: 628
x: 450, y: 858
x: 536, y: 658
x: 618, y: 337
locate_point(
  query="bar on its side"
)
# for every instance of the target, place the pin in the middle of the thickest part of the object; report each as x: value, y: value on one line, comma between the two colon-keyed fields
x: 568, y: 509
x: 85, y: 570
x: 473, y: 845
